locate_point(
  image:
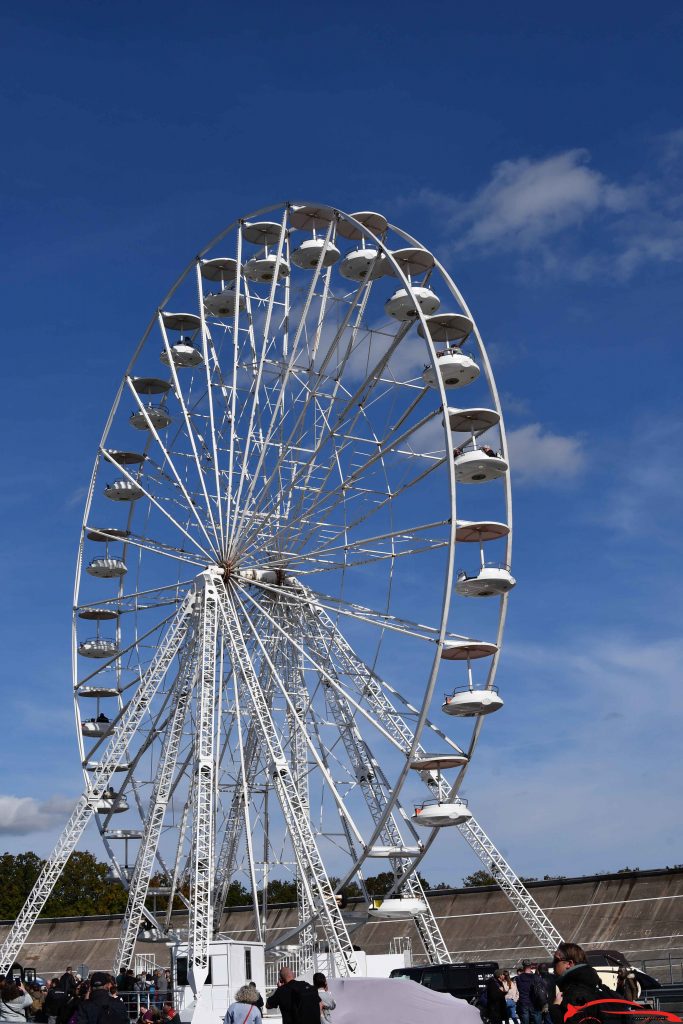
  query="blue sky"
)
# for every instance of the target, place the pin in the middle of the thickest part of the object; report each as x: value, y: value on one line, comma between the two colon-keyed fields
x: 538, y: 152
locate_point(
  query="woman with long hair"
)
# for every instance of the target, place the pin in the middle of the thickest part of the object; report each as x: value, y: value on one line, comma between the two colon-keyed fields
x: 511, y: 996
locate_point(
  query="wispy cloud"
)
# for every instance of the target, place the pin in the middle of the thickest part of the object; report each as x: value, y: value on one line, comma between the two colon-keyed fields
x: 22, y: 815
x: 646, y: 493
x: 540, y: 457
x: 528, y: 201
x: 561, y: 214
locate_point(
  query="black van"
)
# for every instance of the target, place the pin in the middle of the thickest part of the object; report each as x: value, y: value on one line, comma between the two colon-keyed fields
x: 464, y: 980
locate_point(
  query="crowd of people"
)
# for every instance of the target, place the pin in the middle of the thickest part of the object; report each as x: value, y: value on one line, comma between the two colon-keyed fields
x: 144, y: 998
x: 538, y: 995
x: 99, y: 999
x: 534, y: 994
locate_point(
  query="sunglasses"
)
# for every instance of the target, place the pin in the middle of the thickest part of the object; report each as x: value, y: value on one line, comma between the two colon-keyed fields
x: 560, y: 960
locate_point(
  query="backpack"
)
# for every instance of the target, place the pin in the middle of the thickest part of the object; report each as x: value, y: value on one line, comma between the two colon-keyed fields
x: 88, y: 1012
x: 538, y: 993
x: 305, y: 1003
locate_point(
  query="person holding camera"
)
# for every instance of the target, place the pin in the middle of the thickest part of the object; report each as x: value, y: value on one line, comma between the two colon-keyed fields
x: 14, y: 1002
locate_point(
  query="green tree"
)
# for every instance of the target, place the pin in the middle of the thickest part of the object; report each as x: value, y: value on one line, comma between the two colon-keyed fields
x: 18, y: 873
x: 379, y: 885
x: 480, y: 877
x: 238, y: 895
x: 280, y: 891
x: 82, y: 888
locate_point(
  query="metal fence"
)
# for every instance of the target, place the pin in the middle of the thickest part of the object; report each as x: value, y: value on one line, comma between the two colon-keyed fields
x: 138, y: 1002
x: 667, y: 970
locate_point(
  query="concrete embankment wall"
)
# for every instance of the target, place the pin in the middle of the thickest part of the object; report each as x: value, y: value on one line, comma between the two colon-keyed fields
x: 640, y: 913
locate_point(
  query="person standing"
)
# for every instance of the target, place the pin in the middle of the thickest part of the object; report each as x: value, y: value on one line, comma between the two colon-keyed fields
x: 528, y: 1013
x: 627, y: 985
x: 577, y: 983
x: 511, y: 996
x: 244, y: 1009
x: 14, y: 1002
x: 55, y: 1000
x: 496, y: 1006
x: 68, y: 983
x: 297, y: 1001
x: 111, y: 1009
x: 327, y: 1003
x: 549, y: 990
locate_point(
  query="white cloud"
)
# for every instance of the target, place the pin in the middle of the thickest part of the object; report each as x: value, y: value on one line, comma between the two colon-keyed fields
x: 541, y: 457
x: 561, y: 214
x: 21, y: 815
x: 527, y: 201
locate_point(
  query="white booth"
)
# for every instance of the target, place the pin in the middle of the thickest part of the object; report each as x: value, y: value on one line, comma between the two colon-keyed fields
x: 231, y: 965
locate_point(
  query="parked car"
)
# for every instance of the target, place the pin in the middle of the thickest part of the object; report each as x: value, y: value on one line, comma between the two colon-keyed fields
x: 463, y: 980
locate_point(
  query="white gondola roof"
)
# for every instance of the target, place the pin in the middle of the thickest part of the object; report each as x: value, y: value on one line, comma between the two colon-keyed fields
x: 181, y: 321
x: 438, y: 762
x: 222, y: 268
x: 308, y: 218
x: 123, y: 833
x: 479, y: 532
x: 468, y: 421
x: 374, y: 222
x: 126, y: 458
x: 151, y: 385
x: 106, y: 533
x: 413, y: 260
x: 462, y: 650
x: 447, y: 327
x: 97, y: 691
x: 262, y: 232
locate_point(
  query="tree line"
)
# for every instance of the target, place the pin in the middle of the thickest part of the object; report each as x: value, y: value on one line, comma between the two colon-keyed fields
x: 85, y: 887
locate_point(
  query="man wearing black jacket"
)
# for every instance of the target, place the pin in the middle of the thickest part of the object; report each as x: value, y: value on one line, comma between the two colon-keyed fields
x: 112, y: 1010
x: 55, y: 1000
x: 68, y: 983
x: 297, y: 1001
x: 578, y: 983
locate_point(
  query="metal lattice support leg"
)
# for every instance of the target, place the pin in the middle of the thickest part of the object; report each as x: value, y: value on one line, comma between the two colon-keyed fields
x: 235, y: 824
x: 312, y: 871
x: 361, y: 757
x: 85, y: 807
x: 155, y: 818
x: 203, y: 793
x: 370, y: 688
x: 366, y: 768
x: 291, y: 668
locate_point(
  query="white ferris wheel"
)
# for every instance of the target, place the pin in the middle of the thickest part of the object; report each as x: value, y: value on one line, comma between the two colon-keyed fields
x: 296, y: 539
